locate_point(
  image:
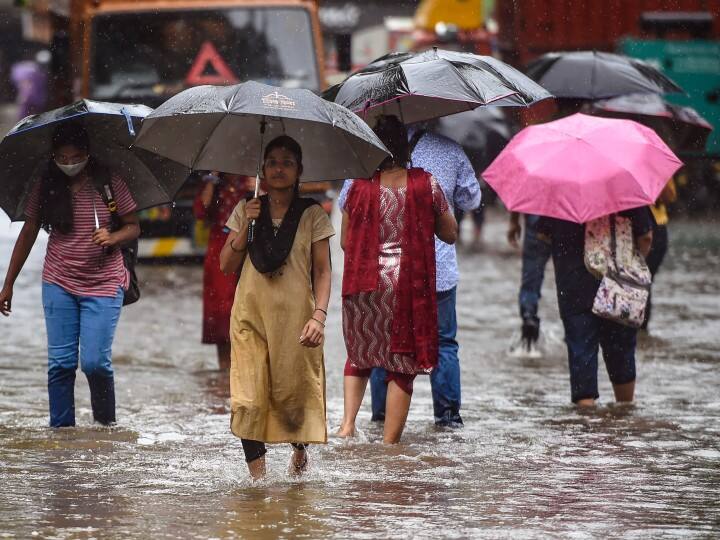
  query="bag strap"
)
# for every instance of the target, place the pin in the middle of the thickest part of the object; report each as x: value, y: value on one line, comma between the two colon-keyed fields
x: 613, y: 242
x: 104, y: 188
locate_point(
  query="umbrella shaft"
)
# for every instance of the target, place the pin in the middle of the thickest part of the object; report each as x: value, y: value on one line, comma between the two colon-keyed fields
x: 251, y: 228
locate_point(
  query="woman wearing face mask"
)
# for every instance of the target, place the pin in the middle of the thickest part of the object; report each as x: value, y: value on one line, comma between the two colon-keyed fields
x: 277, y: 374
x: 84, y: 277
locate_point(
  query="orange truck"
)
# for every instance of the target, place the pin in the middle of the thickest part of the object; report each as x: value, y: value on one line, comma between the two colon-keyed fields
x: 144, y: 51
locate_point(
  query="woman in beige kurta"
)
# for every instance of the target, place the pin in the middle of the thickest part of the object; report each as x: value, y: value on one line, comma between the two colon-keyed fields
x: 277, y: 375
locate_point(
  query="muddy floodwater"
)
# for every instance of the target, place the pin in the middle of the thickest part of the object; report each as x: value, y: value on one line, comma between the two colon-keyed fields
x: 526, y: 465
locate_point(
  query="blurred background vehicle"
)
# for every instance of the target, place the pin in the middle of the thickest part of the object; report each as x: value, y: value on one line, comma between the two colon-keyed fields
x: 144, y: 51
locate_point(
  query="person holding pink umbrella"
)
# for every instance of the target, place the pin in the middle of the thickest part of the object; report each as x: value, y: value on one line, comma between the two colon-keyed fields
x: 572, y: 171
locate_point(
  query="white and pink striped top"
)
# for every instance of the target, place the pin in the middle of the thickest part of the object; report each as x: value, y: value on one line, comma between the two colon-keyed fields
x: 72, y: 260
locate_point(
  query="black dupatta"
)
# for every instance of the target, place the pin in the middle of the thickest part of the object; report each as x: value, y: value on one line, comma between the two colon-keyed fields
x: 270, y: 247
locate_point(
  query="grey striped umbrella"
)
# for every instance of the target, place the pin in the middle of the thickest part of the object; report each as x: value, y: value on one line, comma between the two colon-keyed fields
x: 422, y: 86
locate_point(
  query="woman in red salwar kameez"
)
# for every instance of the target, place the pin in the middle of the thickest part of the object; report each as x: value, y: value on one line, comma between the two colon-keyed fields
x: 214, y: 204
x: 389, y: 300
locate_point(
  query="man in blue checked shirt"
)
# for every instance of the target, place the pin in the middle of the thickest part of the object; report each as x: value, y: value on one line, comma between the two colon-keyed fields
x: 447, y: 162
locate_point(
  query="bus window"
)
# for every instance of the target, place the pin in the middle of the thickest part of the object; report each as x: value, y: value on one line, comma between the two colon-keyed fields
x: 147, y: 56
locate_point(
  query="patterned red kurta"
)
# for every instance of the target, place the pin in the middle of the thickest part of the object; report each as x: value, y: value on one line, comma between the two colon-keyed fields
x: 218, y: 288
x: 368, y: 317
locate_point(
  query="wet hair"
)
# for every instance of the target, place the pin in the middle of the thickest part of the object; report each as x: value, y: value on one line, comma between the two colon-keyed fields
x: 391, y: 131
x: 71, y: 134
x: 291, y: 145
x: 56, y: 211
x: 286, y: 143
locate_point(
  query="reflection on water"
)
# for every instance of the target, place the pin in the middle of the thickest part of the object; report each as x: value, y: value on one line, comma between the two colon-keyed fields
x: 526, y: 465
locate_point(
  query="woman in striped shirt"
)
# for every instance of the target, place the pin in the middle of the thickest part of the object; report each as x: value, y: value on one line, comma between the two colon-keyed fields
x: 84, y: 277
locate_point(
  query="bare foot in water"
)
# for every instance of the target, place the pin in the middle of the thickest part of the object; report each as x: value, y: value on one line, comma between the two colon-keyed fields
x: 299, y: 462
x: 345, y: 432
x: 257, y: 469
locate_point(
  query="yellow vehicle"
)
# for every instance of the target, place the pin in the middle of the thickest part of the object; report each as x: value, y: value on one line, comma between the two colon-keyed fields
x: 144, y: 51
x: 453, y: 24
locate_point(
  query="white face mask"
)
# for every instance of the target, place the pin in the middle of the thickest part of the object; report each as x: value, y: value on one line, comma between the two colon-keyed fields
x: 74, y: 169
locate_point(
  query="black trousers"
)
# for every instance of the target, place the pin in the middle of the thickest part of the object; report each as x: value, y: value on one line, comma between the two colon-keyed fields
x: 256, y: 449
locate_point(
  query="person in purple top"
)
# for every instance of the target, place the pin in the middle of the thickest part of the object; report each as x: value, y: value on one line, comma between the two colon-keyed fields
x: 446, y: 161
x: 30, y: 80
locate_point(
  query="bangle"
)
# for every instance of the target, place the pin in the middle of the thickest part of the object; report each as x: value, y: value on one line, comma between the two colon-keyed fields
x: 318, y: 321
x: 321, y: 309
x: 233, y: 247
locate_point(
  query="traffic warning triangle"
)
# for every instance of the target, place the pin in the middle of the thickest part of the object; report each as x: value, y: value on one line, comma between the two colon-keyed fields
x: 209, y: 55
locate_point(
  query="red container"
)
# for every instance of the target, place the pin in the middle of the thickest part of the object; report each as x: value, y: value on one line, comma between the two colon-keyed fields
x: 529, y: 28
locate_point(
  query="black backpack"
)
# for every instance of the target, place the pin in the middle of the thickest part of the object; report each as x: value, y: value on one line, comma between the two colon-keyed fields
x: 129, y: 250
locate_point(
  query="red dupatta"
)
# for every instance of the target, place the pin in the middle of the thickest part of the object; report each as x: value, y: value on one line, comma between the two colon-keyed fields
x: 415, y: 323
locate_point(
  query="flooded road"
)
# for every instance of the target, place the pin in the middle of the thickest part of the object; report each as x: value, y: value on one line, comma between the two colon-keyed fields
x: 526, y: 465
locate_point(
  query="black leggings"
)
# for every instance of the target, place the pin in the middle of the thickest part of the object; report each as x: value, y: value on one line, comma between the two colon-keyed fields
x: 256, y: 449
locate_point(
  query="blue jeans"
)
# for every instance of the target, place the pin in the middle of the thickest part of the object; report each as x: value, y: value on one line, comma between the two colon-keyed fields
x: 80, y: 327
x: 535, y: 255
x: 585, y: 333
x: 444, y: 379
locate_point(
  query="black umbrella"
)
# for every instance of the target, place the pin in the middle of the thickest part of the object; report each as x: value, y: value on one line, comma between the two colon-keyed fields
x: 421, y: 86
x: 26, y: 149
x: 597, y: 75
x: 483, y: 133
x: 224, y: 128
x: 682, y: 128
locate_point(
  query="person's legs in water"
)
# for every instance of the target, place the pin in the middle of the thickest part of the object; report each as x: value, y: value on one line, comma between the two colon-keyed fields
x: 478, y: 216
x: 378, y: 394
x: 62, y: 320
x: 254, y: 457
x: 535, y: 255
x: 354, y: 384
x: 223, y: 352
x: 398, y: 405
x: 654, y: 259
x: 98, y: 319
x: 618, y: 344
x: 445, y: 378
x: 582, y: 336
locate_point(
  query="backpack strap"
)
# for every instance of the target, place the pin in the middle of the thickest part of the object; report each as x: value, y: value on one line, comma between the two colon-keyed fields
x: 103, y: 185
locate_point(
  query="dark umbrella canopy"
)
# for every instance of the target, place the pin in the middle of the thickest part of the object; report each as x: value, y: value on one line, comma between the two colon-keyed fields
x: 682, y: 128
x: 597, y: 75
x: 219, y: 128
x: 421, y: 86
x: 111, y: 127
x: 483, y: 133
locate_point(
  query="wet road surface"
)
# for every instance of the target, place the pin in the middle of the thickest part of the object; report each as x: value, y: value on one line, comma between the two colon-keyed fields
x: 526, y: 465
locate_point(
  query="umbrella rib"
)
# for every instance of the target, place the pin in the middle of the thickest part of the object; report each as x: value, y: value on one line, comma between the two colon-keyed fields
x: 202, y: 148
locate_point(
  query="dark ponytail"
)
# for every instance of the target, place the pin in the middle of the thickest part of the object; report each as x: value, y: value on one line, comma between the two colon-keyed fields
x: 392, y: 132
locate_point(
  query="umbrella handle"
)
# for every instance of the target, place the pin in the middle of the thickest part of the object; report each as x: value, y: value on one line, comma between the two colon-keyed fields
x: 251, y: 227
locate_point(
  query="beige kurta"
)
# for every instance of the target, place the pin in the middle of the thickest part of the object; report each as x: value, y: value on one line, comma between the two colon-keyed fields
x: 277, y: 386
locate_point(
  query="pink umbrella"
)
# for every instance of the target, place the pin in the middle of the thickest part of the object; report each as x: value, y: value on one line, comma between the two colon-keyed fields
x: 582, y: 167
